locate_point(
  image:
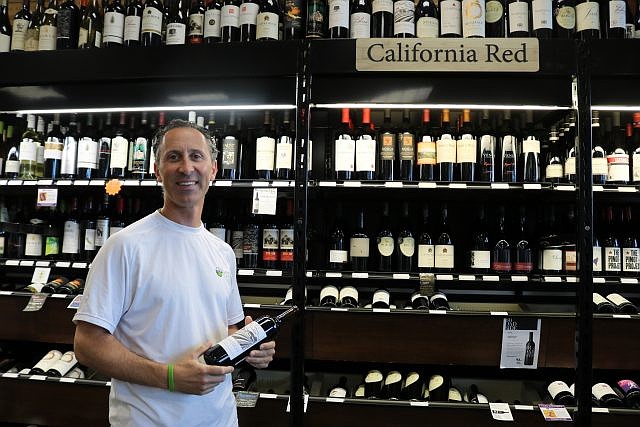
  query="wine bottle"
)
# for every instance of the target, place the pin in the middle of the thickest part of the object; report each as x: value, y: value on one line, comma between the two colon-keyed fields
x: 530, y: 157
x: 133, y: 23
x: 444, y: 247
x: 381, y: 299
x: 617, y: 15
x: 244, y: 380
x: 293, y: 28
x: 618, y: 157
x: 550, y: 251
x: 152, y: 23
x: 373, y: 384
x: 406, y: 148
x: 564, y: 15
x: 554, y: 169
x: 348, y: 297
x: 46, y: 363
x: 247, y: 19
x: 630, y: 245
x: 406, y: 244
x: 446, y: 149
x: 602, y: 304
x: 501, y: 254
x: 588, y: 19
x: 265, y: 150
x: 474, y: 396
x: 480, y: 254
x: 359, y: 245
x: 605, y: 396
x: 385, y: 242
x: 427, y: 23
x: 33, y: 31
x: 622, y: 305
x: 612, y: 249
x: 317, y: 18
x: 466, y: 149
x: 338, y: 19
x: 68, y: 25
x: 419, y: 301
x: 523, y: 262
x: 339, y: 390
x: 87, y: 151
x: 454, y: 395
x: 28, y: 150
x: 70, y: 151
x: 231, y: 150
x: 21, y: 21
x: 392, y: 386
x: 561, y: 394
x: 360, y: 19
x: 49, y: 27
x: 176, y: 24
x: 119, y: 148
x: 509, y: 144
x: 495, y: 18
x: 487, y: 148
x: 71, y: 248
x: 114, y: 16
x: 412, y: 387
x: 91, y: 26
x: 530, y: 351
x: 338, y: 254
x: 426, y: 150
x: 251, y: 242
x: 439, y: 388
x: 284, y: 149
x: 212, y: 22
x: 73, y: 287
x: 450, y: 18
x: 268, y: 20
x: 345, y: 149
x: 329, y: 296
x: 270, y: 246
x: 88, y: 228
x: 426, y: 249
x: 195, y: 32
x: 52, y: 286
x: 599, y: 168
x: 103, y: 223
x: 630, y: 392
x: 518, y: 18
x: 12, y: 162
x: 634, y: 148
x: 404, y: 18
x: 365, y: 149
x: 285, y: 253
x: 235, y: 348
x: 387, y: 144
x: 473, y: 18
x: 382, y: 18
x: 542, y: 18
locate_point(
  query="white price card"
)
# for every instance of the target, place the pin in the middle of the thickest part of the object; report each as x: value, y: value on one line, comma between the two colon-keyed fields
x: 554, y: 412
x: 81, y: 182
x: 148, y: 183
x: 40, y: 275
x: 75, y: 303
x: 306, y: 402
x: 500, y: 411
x: 35, y: 302
x: 532, y: 186
x: 47, y: 197
x: 520, y: 343
x: 246, y: 399
x: 428, y: 184
x: 393, y: 184
x: 499, y: 185
x: 264, y: 201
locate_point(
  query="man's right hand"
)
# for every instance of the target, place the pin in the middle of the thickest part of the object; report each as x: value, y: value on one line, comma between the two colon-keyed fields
x: 194, y: 377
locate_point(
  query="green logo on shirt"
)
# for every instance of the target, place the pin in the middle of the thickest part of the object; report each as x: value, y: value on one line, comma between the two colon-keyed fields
x: 219, y: 272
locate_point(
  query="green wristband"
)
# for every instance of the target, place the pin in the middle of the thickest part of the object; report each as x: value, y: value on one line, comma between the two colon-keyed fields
x: 171, y: 385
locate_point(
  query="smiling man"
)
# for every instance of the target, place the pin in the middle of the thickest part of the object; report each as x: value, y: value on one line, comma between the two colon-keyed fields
x: 159, y: 293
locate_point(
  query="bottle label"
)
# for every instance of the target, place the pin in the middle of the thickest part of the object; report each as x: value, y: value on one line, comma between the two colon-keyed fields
x: 451, y: 17
x: 599, y: 166
x: 48, y: 360
x: 286, y: 240
x: 212, y: 23
x: 219, y: 232
x: 20, y: 27
x: 518, y: 17
x: 229, y: 153
x: 426, y: 256
x: 407, y: 246
x: 237, y: 237
x: 444, y: 256
x: 636, y: 167
x: 83, y: 37
x: 47, y: 40
x: 31, y: 40
x: 176, y: 33
x: 552, y: 259
x: 571, y: 260
x: 494, y: 11
x: 446, y: 149
x: 381, y: 296
x: 196, y: 25
x: 71, y: 237
x: 33, y: 245
x: 329, y: 291
x: 386, y: 246
x: 554, y: 171
x: 51, y: 246
x: 119, y: 151
x: 65, y: 20
x: 151, y: 21
x: 588, y: 16
x: 365, y: 155
x: 87, y: 153
x: 387, y: 148
x: 243, y: 339
x: 566, y: 17
x: 360, y: 25
x: 270, y: 241
x: 113, y: 27
x: 617, y: 299
x: 265, y: 153
x: 65, y: 363
x: 466, y: 150
x: 27, y: 151
x: 345, y: 153
x: 435, y: 381
x: 627, y: 386
x: 473, y: 18
x: 348, y: 292
x: 428, y: 27
x: 618, y: 167
x: 601, y: 389
x: 248, y: 13
x: 267, y: 26
x: 139, y: 155
x: 338, y: 13
x: 382, y: 6
x: 617, y: 14
x: 336, y: 256
x: 597, y: 300
x: 631, y: 258
x: 597, y: 258
x: 1, y: 246
x: 284, y: 154
x: 230, y: 16
x: 69, y: 154
x: 407, y: 147
x: 570, y: 166
x: 426, y: 153
x: 89, y: 239
x: 542, y: 14
x: 359, y: 247
x: 557, y: 387
x: 102, y: 231
x: 612, y: 261
x: 132, y: 28
x: 403, y: 17
x: 531, y: 145
x: 480, y: 259
x: 250, y: 241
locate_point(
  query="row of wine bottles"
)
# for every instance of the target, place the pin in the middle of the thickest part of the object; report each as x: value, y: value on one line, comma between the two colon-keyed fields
x: 613, y: 303
x: 53, y: 364
x: 59, y: 285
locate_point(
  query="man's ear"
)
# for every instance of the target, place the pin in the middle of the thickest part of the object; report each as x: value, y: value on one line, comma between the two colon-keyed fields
x: 155, y: 170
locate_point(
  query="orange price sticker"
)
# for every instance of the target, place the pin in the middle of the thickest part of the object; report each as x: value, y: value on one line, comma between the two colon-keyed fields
x: 113, y: 187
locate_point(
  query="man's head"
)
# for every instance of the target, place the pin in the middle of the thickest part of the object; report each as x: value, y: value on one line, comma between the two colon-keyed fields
x: 158, y: 138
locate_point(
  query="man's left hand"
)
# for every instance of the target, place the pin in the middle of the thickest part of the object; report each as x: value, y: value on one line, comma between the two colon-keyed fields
x: 260, y: 358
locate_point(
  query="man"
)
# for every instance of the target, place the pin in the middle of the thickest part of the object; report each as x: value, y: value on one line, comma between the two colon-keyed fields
x: 159, y: 293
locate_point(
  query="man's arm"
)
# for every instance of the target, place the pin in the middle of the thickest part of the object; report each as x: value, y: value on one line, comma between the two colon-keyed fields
x: 97, y: 348
x: 264, y: 355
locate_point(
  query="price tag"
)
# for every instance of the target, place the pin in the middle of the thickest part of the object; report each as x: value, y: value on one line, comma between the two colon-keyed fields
x: 75, y: 303
x: 14, y: 182
x: 381, y: 310
x: 35, y: 302
x: 38, y: 377
x: 339, y: 309
x: 67, y: 380
x: 423, y: 184
x: 600, y: 410
x: 572, y: 279
x: 598, y: 188
x: 264, y: 201
x: 63, y: 264
x: 327, y: 184
x: 130, y: 183
x: 333, y: 275
x: 359, y: 275
x: 47, y: 197
x: 418, y: 404
x: 81, y: 182
x: 500, y: 411
x: 552, y: 279
x: 59, y: 296
x: 6, y: 293
x: 246, y: 399
x: 148, y: 183
x: 627, y: 189
x: 566, y: 188
x: 42, y: 263
x: 97, y: 182
x: 444, y: 277
x: 268, y: 396
x: 10, y: 375
x: 79, y: 265
x: 458, y: 185
x: 629, y: 280
x: 63, y: 182
x: 27, y: 263
x: 437, y: 311
x: 41, y: 275
x: 532, y: 186
x: 260, y: 184
x: 490, y: 278
x: 30, y: 182
x: 309, y: 274
x: 467, y: 277
x: 401, y: 276
x: 499, y: 186
x: 280, y: 184
x: 520, y: 343
x: 15, y: 262
x: 519, y: 278
x: 554, y: 412
x: 393, y: 184
x: 523, y: 407
x: 3, y: 182
x: 599, y: 280
x: 306, y: 402
x: 499, y: 313
x: 335, y: 400
x: 245, y: 272
x: 621, y: 316
x: 352, y: 184
x: 251, y: 305
x: 274, y: 273
x: 222, y: 183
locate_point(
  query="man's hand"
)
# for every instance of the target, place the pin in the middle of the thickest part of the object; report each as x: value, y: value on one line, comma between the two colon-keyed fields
x: 264, y: 355
x: 193, y: 377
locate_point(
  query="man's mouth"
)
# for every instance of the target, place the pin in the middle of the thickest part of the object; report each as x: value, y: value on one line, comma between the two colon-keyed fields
x: 186, y: 183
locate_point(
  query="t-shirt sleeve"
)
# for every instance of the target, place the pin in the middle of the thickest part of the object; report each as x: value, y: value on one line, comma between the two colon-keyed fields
x: 235, y: 313
x: 106, y: 294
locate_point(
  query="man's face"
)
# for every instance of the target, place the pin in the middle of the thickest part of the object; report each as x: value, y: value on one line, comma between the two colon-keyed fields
x: 185, y: 168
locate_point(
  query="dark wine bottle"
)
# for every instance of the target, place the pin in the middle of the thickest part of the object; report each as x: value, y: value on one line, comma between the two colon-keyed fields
x: 450, y: 18
x: 454, y: 395
x: 212, y: 19
x: 439, y: 301
x: 419, y: 301
x: 518, y: 18
x: 599, y: 167
x: 564, y: 19
x: 176, y: 24
x: 622, y: 305
x: 406, y: 148
x: 244, y: 380
x: 630, y: 245
x: 268, y: 20
x: 474, y: 396
x: 618, y: 157
x: 385, y: 242
x: 406, y: 243
x: 338, y: 253
x: 230, y: 21
x: 381, y: 299
x: 473, y: 18
x: 509, y: 144
x: 247, y: 19
x: 426, y: 149
x: 344, y: 149
x: 152, y: 23
x: 554, y: 169
x: 359, y: 245
x: 404, y: 18
x: 412, y: 387
x: 523, y: 262
x: 114, y: 15
x: 617, y: 15
x: 21, y: 21
x: 68, y: 20
x: 439, y: 388
x: 339, y: 390
x: 426, y: 249
x: 382, y: 18
x: 466, y: 149
x: 53, y: 286
x: 195, y: 30
x: 265, y: 150
x: 630, y: 392
x: 317, y: 18
x: 542, y: 18
x: 329, y: 296
x: 293, y: 19
x: 53, y: 150
x: 270, y: 246
x: 611, y: 244
x: 392, y: 386
x: 444, y: 247
x: 133, y: 23
x: 588, y: 19
x: 338, y: 19
x: 495, y: 17
x: 427, y: 24
x: 231, y: 150
x: 605, y: 396
x: 446, y: 149
x: 251, y: 241
x: 561, y: 394
x: 530, y: 351
x: 46, y: 363
x: 530, y: 157
x: 501, y: 254
x: 348, y: 297
x: 235, y: 348
x: 602, y: 304
x: 360, y: 19
x: 387, y: 143
x: 119, y: 149
x: 480, y: 254
x: 373, y: 384
x: 634, y: 148
x: 365, y: 147
x: 487, y: 149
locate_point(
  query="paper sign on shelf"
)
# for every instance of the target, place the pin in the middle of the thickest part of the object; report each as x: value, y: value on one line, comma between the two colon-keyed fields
x: 554, y: 412
x: 47, y: 197
x: 35, y: 302
x: 40, y: 275
x: 264, y: 201
x: 75, y: 304
x: 520, y: 343
x: 500, y: 411
x: 246, y: 399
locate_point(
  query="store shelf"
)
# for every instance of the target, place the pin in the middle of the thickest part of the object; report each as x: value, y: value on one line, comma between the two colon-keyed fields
x: 137, y: 183
x: 616, y: 342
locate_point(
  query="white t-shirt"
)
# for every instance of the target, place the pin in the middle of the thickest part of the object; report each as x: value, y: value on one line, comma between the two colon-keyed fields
x: 163, y: 289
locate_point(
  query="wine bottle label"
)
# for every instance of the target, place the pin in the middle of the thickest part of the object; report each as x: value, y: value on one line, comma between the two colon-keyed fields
x: 531, y: 145
x: 365, y: 155
x: 588, y: 16
x: 31, y: 40
x: 132, y: 25
x: 71, y: 237
x: 47, y: 40
x: 387, y: 148
x: 466, y: 150
x: 403, y: 17
x: 618, y: 299
x: 248, y: 13
x: 412, y: 378
x: 230, y: 16
x: 229, y: 153
x: 51, y: 246
x: 267, y: 26
x: 35, y: 287
x: 20, y: 27
x: 338, y: 13
x: 89, y: 239
x: 359, y: 247
x: 636, y: 167
x: 359, y: 391
x: 599, y: 166
x: 600, y: 390
x: 426, y: 153
x: 336, y: 256
x: 75, y: 373
x: 338, y: 392
x: 599, y: 299
x: 618, y: 167
x: 480, y: 259
x: 348, y: 292
x: 265, y: 153
x: 454, y: 395
x: 212, y: 23
x: 286, y: 239
x: 270, y: 240
x: 446, y: 149
x: 113, y: 27
x: 557, y: 387
x: 473, y: 18
x: 12, y: 166
x: 451, y: 17
x: 427, y: 27
x: 48, y: 360
x: 1, y: 246
x: 570, y: 166
x: 151, y: 21
x: 65, y: 20
x: 65, y: 363
x: 329, y: 291
x: 33, y: 245
x: 597, y: 258
x: 176, y: 33
x: 407, y: 246
x: 552, y: 259
x: 237, y: 236
x: 627, y: 386
x: 69, y: 153
x: 345, y: 154
x: 373, y: 377
x: 417, y: 295
x: 435, y: 381
x: 542, y: 14
x: 243, y: 339
x: 392, y: 378
x: 426, y: 256
x: 407, y: 146
x: 83, y: 37
x: 566, y: 17
x: 196, y: 25
x: 612, y: 261
x: 220, y: 233
x: 27, y: 150
x: 444, y: 256
x: 87, y: 153
x: 617, y: 14
x: 518, y: 16
x: 631, y: 259
x: 494, y: 11
x: 119, y: 151
x: 250, y: 241
x: 386, y: 246
x: 382, y: 6
x: 284, y: 154
x: 360, y: 25
x: 102, y: 231
x: 381, y: 296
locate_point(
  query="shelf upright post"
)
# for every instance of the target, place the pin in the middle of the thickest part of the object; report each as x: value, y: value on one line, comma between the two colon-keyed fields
x: 303, y: 91
x: 584, y: 198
